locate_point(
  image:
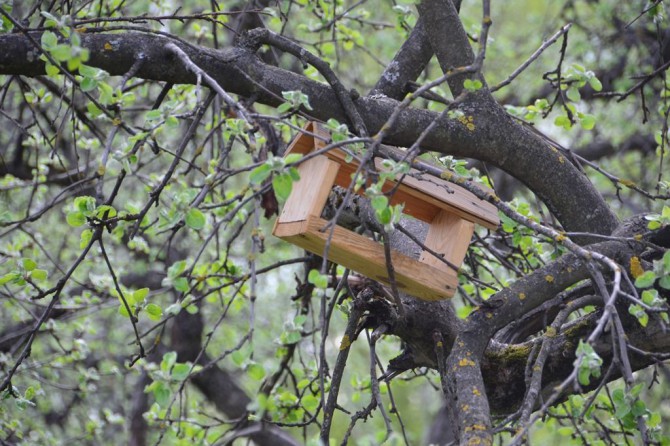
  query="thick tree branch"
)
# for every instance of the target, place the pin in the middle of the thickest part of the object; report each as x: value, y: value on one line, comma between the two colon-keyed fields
x: 407, y: 64
x: 493, y: 136
x: 448, y: 39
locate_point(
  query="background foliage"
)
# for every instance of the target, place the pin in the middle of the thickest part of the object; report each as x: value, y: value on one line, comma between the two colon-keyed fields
x: 143, y: 298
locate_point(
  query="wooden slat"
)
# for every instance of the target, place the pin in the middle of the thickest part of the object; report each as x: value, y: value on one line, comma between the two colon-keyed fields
x: 310, y: 193
x: 367, y: 257
x: 450, y: 235
x: 461, y: 201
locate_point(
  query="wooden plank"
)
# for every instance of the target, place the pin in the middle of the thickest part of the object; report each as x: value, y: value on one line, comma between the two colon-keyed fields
x: 449, y: 235
x: 310, y: 193
x: 284, y: 230
x: 461, y: 201
x: 367, y: 257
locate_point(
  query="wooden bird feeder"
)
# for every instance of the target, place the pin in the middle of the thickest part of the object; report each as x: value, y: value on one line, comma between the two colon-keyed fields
x: 450, y: 210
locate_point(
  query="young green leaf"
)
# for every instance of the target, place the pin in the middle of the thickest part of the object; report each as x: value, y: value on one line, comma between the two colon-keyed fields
x: 282, y: 185
x: 256, y: 371
x: 260, y: 174
x: 75, y: 219
x: 154, y: 312
x: 195, y: 219
x: 317, y: 279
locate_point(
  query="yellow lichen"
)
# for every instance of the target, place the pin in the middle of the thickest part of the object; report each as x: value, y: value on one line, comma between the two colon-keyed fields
x: 549, y: 278
x: 446, y: 175
x: 522, y: 296
x: 551, y: 332
x: 475, y: 391
x: 108, y: 46
x: 560, y: 237
x: 467, y: 121
x: 345, y: 342
x: 466, y: 362
x: 636, y: 269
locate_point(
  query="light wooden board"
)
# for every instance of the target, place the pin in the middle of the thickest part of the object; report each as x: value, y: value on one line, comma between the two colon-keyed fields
x: 310, y: 193
x: 367, y: 257
x: 449, y: 235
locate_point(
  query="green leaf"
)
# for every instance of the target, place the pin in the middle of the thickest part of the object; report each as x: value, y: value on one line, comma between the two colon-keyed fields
x: 28, y: 264
x: 645, y: 280
x: 317, y: 279
x: 573, y: 94
x: 39, y: 274
x: 172, y: 122
x: 51, y: 70
x: 588, y: 122
x: 379, y: 202
x: 472, y: 85
x: 153, y: 115
x: 180, y: 372
x: 176, y: 269
x: 260, y: 174
x: 169, y: 359
x: 140, y: 295
x: 282, y: 185
x: 292, y: 158
x: 595, y: 83
x: 310, y: 403
x: 649, y: 297
x: 85, y: 204
x: 238, y: 357
x: 563, y: 121
x: 49, y: 40
x: 161, y: 393
x: 13, y: 276
x: 385, y: 216
x: 639, y: 313
x: 256, y: 371
x: 181, y: 284
x: 75, y: 219
x: 290, y: 337
x: 284, y: 107
x: 195, y: 219
x: 88, y: 84
x: 105, y: 212
x: 299, y: 320
x: 154, y: 312
x: 85, y: 238
x: 666, y: 261
x: 123, y: 311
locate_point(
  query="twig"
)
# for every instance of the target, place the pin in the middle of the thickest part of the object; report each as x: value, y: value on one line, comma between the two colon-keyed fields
x: 546, y: 44
x: 350, y: 334
x: 56, y: 291
x: 374, y: 381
